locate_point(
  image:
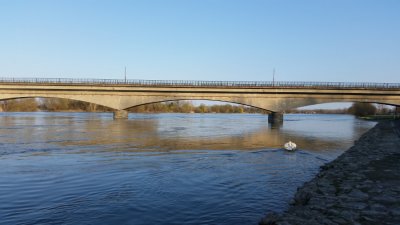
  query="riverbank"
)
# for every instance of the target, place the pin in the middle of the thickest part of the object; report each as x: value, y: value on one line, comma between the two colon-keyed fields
x: 380, y: 117
x: 362, y: 186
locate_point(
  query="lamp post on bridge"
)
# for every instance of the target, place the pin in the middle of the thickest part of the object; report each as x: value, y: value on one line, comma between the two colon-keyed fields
x: 273, y: 77
x: 125, y: 74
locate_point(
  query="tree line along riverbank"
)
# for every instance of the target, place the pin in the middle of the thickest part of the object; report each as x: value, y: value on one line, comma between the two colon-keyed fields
x: 57, y: 105
x: 361, y: 186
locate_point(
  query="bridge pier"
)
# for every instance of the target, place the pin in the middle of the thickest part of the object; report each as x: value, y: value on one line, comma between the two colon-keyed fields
x: 275, y: 118
x: 120, y: 114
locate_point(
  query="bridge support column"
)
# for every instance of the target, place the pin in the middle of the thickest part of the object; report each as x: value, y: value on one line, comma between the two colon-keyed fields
x: 275, y: 118
x: 121, y: 114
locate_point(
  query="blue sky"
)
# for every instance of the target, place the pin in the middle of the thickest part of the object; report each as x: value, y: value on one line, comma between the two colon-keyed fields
x: 320, y: 40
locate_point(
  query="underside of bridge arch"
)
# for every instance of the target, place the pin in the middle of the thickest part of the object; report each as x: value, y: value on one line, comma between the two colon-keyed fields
x: 123, y: 102
x: 71, y: 103
x: 190, y: 99
x: 292, y: 103
x: 275, y: 116
x: 143, y: 100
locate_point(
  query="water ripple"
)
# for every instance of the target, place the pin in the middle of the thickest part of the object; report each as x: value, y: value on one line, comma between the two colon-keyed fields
x: 158, y: 169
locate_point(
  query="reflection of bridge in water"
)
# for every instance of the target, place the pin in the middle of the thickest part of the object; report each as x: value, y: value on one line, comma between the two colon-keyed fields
x: 82, y: 132
x: 146, y: 136
x: 276, y: 97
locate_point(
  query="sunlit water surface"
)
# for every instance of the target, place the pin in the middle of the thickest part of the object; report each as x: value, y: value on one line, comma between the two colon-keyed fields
x: 85, y: 168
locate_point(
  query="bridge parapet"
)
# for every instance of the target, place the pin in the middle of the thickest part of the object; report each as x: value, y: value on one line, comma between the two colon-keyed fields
x: 200, y: 83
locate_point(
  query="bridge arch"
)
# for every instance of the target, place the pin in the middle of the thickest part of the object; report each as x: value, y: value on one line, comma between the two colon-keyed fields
x: 50, y: 97
x: 346, y: 101
x: 293, y: 103
x: 190, y: 99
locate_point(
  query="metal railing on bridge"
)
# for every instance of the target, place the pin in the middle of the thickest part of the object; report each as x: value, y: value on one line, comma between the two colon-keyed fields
x: 198, y: 83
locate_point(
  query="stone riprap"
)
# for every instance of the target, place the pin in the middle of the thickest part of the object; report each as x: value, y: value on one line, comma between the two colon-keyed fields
x: 362, y: 186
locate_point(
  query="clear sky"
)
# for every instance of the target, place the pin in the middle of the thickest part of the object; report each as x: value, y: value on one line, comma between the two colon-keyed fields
x: 320, y: 40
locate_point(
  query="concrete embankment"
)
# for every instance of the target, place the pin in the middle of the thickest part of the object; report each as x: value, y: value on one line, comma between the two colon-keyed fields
x: 362, y: 186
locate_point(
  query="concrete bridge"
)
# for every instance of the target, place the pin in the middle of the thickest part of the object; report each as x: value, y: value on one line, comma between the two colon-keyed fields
x: 275, y: 97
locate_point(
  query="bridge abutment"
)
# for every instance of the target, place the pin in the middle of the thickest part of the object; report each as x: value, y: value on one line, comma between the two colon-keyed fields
x: 121, y: 114
x: 275, y: 118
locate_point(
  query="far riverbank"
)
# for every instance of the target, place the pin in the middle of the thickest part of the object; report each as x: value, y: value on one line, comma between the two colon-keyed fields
x: 361, y: 186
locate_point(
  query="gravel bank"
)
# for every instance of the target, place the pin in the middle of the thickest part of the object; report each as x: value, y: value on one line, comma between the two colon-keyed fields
x: 362, y: 186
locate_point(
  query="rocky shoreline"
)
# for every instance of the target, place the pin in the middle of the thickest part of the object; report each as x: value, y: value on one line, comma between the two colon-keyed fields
x: 362, y: 186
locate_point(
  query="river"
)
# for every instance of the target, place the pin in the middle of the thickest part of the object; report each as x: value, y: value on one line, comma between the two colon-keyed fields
x: 86, y: 168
